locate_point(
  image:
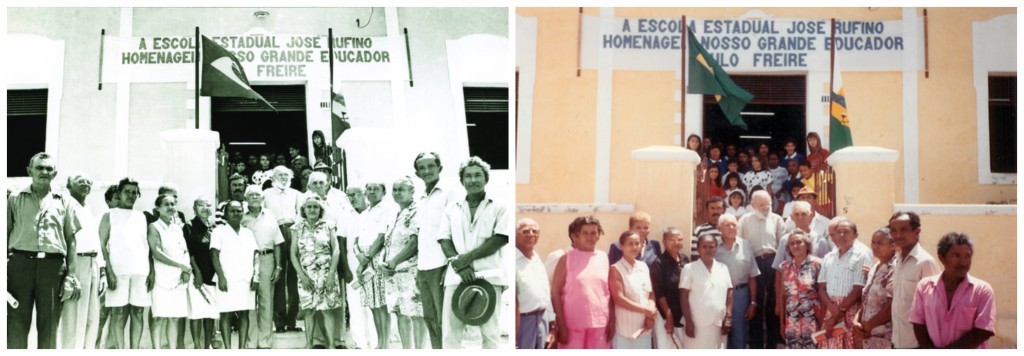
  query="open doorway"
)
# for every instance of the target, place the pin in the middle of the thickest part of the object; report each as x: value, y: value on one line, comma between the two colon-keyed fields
x: 778, y: 112
x: 248, y: 129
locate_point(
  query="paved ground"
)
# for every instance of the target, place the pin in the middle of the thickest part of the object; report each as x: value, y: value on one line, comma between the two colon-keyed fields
x: 293, y: 340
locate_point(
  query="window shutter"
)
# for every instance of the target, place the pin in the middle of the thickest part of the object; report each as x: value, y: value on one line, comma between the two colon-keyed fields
x: 770, y: 89
x: 486, y: 99
x: 282, y: 97
x: 26, y: 102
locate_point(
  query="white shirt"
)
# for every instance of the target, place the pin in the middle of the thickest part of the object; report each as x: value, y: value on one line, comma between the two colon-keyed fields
x: 636, y: 287
x: 779, y: 177
x: 377, y: 220
x: 551, y: 262
x: 128, y: 245
x: 469, y: 232
x: 264, y: 228
x: 842, y: 273
x: 88, y: 238
x: 708, y: 291
x: 237, y: 252
x: 906, y: 275
x: 763, y: 234
x: 284, y: 203
x: 534, y: 288
x: 431, y: 212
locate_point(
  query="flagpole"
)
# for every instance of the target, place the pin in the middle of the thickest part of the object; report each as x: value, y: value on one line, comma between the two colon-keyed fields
x: 682, y: 85
x: 199, y: 42
x: 831, y: 72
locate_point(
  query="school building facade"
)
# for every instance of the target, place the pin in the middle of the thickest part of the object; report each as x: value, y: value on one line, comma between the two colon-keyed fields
x: 931, y: 96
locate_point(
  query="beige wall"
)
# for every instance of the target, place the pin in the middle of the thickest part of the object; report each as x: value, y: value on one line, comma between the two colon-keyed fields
x: 948, y: 124
x: 995, y: 260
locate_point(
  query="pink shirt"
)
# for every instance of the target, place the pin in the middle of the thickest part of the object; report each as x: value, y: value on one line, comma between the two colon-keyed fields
x: 974, y: 306
x: 585, y: 295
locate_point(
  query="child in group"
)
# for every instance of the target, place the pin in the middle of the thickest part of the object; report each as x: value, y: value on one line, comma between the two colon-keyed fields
x: 736, y: 207
x: 788, y: 209
x: 733, y: 183
x: 733, y: 170
x: 807, y: 175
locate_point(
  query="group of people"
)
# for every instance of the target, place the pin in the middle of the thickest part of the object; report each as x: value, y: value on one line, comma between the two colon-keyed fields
x: 259, y: 167
x: 758, y: 281
x: 258, y: 261
x: 735, y: 173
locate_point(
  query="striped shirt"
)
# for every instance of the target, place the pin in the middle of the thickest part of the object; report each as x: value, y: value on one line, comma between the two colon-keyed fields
x: 842, y: 273
x: 636, y: 287
x: 700, y: 230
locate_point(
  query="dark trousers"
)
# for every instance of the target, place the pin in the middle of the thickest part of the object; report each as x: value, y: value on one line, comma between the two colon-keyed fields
x: 34, y: 283
x: 764, y: 329
x: 286, y: 290
x: 432, y: 297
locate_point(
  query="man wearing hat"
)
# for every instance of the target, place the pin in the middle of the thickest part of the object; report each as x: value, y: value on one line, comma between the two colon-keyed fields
x: 333, y: 194
x: 819, y: 223
x: 472, y: 234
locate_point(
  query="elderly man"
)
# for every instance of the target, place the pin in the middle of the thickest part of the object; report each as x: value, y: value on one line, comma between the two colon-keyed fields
x: 129, y: 266
x: 431, y: 261
x: 735, y: 253
x: 801, y: 218
x: 236, y: 187
x: 533, y: 290
x: 665, y: 282
x: 79, y: 322
x: 762, y: 229
x: 472, y: 234
x: 268, y: 235
x: 954, y: 310
x: 40, y: 252
x: 913, y: 264
x: 714, y: 207
x: 284, y: 202
x: 819, y: 223
x: 840, y: 282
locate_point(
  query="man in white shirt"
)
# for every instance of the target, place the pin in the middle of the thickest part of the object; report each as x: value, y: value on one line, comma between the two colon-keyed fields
x: 79, y: 320
x: 268, y: 243
x: 533, y: 289
x: 763, y: 229
x: 284, y: 202
x: 472, y: 234
x: 913, y: 263
x: 431, y: 261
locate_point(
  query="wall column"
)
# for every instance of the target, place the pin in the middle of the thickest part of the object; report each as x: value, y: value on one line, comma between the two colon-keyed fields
x: 865, y: 184
x: 664, y: 187
x: 191, y: 163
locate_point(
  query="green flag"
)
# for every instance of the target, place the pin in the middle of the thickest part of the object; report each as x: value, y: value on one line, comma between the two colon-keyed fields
x: 707, y: 77
x: 223, y: 75
x: 839, y: 124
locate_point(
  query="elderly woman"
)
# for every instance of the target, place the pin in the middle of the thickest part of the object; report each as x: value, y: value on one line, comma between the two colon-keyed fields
x: 202, y: 305
x: 798, y: 296
x: 668, y: 328
x: 705, y: 294
x: 632, y: 296
x: 398, y: 263
x: 172, y: 267
x: 579, y: 290
x: 315, y: 254
x: 874, y: 323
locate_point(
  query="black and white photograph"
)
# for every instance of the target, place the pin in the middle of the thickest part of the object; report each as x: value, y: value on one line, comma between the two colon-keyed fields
x: 259, y: 178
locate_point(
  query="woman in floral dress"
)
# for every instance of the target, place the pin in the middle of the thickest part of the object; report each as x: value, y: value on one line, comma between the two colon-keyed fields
x: 874, y: 323
x: 315, y: 254
x: 802, y: 311
x: 399, y: 260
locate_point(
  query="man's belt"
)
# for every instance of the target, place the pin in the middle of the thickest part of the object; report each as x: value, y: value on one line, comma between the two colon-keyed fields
x: 36, y: 254
x: 87, y: 254
x: 535, y: 312
x: 265, y: 252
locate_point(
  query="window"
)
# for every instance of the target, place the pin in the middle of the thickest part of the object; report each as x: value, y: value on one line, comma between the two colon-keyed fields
x: 487, y: 124
x: 1002, y: 123
x: 26, y: 128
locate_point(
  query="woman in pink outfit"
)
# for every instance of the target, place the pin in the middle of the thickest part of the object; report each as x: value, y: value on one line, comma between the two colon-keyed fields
x: 579, y: 291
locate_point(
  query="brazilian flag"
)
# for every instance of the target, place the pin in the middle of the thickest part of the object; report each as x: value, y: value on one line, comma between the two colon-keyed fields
x: 839, y: 124
x: 707, y: 77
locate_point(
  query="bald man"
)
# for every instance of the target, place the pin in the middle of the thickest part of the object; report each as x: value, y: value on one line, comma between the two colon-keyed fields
x: 763, y: 229
x: 533, y: 290
x: 79, y: 320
